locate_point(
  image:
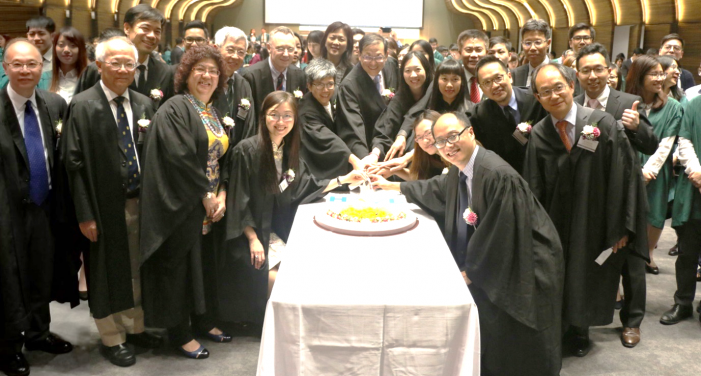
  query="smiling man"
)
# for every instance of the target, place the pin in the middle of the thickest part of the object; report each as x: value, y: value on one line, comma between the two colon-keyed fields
x: 196, y: 34
x: 515, y: 278
x: 473, y: 46
x: 673, y: 45
x: 581, y: 35
x: 587, y: 186
x: 39, y: 32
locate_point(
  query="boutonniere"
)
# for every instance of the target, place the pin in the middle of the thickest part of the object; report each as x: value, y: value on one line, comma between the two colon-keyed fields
x: 445, y: 171
x: 333, y: 106
x: 298, y: 93
x: 156, y: 94
x: 143, y: 127
x: 58, y: 127
x: 470, y: 217
x: 245, y: 104
x: 525, y: 128
x: 388, y: 93
x: 287, y: 178
x: 591, y: 132
x: 228, y: 122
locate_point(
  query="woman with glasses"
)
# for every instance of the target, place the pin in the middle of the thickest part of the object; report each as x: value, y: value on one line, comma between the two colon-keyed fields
x: 268, y: 181
x: 185, y: 178
x: 70, y: 59
x: 615, y: 80
x: 670, y: 88
x: 336, y: 48
x: 646, y: 78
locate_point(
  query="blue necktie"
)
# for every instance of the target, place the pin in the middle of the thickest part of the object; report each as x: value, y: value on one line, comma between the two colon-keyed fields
x: 127, y: 144
x: 377, y: 84
x: 514, y: 115
x: 464, y: 230
x: 38, y: 176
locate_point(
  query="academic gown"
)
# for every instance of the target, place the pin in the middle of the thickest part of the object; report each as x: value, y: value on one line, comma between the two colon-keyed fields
x: 228, y: 105
x: 160, y: 76
x: 594, y: 199
x: 97, y: 171
x: 244, y: 289
x: 324, y: 153
x: 260, y: 77
x: 520, y: 78
x: 495, y: 131
x: 390, y: 122
x: 173, y: 184
x: 514, y: 260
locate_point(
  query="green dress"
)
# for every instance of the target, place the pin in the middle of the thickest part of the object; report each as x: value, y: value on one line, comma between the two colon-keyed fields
x: 665, y: 123
x: 687, y: 202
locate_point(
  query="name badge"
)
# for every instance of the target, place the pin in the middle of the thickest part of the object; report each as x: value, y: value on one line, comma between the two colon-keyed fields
x: 589, y: 145
x: 283, y: 185
x: 242, y: 113
x: 520, y: 137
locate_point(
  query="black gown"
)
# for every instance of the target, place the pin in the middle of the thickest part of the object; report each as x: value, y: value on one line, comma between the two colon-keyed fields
x: 514, y: 260
x: 390, y: 122
x: 244, y: 289
x: 228, y: 105
x: 594, y: 200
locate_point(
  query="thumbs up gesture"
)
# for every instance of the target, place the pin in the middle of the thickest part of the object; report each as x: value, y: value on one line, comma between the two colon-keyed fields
x: 631, y: 117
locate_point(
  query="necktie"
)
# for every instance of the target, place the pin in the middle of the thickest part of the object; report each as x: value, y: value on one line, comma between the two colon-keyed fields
x: 126, y: 143
x: 141, y: 84
x: 462, y: 226
x: 280, y: 79
x: 512, y: 115
x: 377, y: 84
x: 594, y: 103
x: 474, y: 90
x: 230, y: 94
x: 562, y: 130
x: 38, y: 176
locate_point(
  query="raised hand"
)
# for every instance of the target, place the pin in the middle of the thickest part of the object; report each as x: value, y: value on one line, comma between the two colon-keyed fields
x: 397, y: 148
x: 631, y: 117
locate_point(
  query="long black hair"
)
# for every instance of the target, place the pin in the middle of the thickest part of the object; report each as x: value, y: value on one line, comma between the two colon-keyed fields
x: 447, y: 67
x: 338, y: 25
x: 427, y: 49
x: 403, y: 87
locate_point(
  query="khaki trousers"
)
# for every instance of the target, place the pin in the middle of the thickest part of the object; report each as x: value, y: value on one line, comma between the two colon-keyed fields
x: 114, y: 328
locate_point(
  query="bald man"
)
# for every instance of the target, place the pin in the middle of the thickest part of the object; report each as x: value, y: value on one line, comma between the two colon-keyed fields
x: 29, y: 118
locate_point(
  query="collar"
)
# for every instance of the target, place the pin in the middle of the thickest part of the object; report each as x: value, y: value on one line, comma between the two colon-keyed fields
x: 602, y: 98
x: 468, y: 75
x: 512, y: 102
x: 71, y: 74
x: 48, y: 56
x: 571, y: 116
x: 469, y: 169
x: 146, y: 61
x: 373, y: 77
x: 111, y: 94
x: 275, y: 71
x: 18, y: 101
x: 530, y: 67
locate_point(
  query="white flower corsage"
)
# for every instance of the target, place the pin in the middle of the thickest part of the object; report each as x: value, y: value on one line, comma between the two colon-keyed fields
x: 245, y: 103
x: 298, y: 94
x: 156, y: 94
x: 143, y: 124
x: 470, y: 217
x: 388, y: 93
x: 289, y: 176
x: 228, y: 122
x: 59, y: 128
x: 525, y: 128
x: 591, y: 132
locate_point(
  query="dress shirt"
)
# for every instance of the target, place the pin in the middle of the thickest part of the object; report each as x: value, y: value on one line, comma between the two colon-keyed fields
x: 275, y: 74
x: 46, y: 59
x: 571, y: 119
x: 531, y: 69
x: 137, y: 72
x: 603, y: 98
x: 469, y: 171
x: 469, y: 77
x: 127, y: 110
x: 382, y: 81
x: 512, y: 103
x: 687, y: 156
x: 67, y: 84
x: 19, y: 103
x: 329, y: 110
x: 692, y: 92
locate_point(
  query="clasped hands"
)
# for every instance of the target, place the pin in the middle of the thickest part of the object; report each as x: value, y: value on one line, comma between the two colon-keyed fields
x: 215, y: 206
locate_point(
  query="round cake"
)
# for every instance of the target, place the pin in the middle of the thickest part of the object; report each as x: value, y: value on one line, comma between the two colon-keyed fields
x: 366, y: 219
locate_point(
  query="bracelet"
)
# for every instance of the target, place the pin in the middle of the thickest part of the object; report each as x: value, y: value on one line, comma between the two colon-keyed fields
x: 338, y: 180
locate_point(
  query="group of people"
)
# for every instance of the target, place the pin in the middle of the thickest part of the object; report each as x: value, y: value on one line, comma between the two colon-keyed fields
x: 549, y: 182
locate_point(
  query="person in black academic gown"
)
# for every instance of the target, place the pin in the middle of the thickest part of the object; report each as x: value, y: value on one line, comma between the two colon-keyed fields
x: 268, y: 181
x: 183, y: 196
x: 325, y: 154
x: 596, y: 199
x: 232, y: 43
x: 363, y: 96
x: 142, y: 24
x: 515, y: 278
x: 277, y: 72
x: 495, y: 118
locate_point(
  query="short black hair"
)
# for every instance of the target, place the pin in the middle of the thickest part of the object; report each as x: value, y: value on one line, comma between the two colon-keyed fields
x: 41, y: 22
x: 111, y: 32
x: 370, y: 39
x: 442, y: 49
x: 357, y: 31
x: 500, y: 40
x: 638, y: 51
x: 454, y: 47
x: 672, y: 36
x: 538, y: 26
x: 594, y: 48
x: 433, y: 40
x: 196, y: 24
x: 178, y: 40
x: 582, y: 26
x: 143, y: 12
x: 564, y: 72
x: 473, y: 34
x: 489, y: 59
x: 315, y: 36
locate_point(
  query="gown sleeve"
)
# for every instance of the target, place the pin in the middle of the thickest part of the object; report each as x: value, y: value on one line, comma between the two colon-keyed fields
x: 350, y: 124
x: 74, y: 161
x: 238, y: 198
x: 430, y: 195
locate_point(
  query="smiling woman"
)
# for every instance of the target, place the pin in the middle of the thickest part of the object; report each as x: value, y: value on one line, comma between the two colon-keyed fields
x: 69, y: 61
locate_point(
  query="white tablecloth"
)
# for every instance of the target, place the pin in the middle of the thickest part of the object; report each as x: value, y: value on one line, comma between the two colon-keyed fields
x: 367, y: 306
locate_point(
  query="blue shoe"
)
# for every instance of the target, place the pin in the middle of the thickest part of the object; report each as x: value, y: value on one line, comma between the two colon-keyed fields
x: 200, y: 353
x: 222, y: 338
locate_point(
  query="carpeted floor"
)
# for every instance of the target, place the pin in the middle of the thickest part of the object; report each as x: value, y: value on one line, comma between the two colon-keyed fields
x: 664, y: 350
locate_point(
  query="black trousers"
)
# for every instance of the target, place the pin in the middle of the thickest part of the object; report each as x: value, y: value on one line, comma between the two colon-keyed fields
x: 183, y: 332
x: 687, y: 262
x: 634, y: 290
x: 39, y: 256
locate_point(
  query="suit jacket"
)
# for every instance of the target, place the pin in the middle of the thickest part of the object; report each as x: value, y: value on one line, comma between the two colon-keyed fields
x: 228, y: 105
x: 160, y: 76
x: 260, y: 78
x: 390, y: 72
x: 643, y: 140
x: 176, y: 55
x: 520, y: 77
x: 625, y: 67
x: 687, y: 79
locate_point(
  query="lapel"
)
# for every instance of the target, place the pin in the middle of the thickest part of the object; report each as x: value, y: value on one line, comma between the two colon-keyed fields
x: 579, y: 99
x: 551, y: 135
x: 137, y: 110
x: 477, y: 186
x: 613, y: 103
x: 319, y: 109
x: 451, y: 204
x: 154, y: 76
x: 366, y: 85
x: 107, y: 120
x: 583, y: 116
x: 13, y: 126
x: 266, y: 80
x: 47, y: 126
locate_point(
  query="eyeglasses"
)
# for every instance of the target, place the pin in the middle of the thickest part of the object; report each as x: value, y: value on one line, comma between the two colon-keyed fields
x: 321, y: 85
x: 670, y: 47
x: 115, y: 65
x: 597, y: 70
x: 537, y: 43
x: 234, y: 51
x: 452, y: 139
x: 659, y: 75
x: 281, y: 50
x: 486, y: 84
x: 202, y: 71
x: 559, y: 89
x: 427, y: 138
x: 17, y: 66
x: 370, y: 59
x: 276, y: 117
x: 582, y: 38
x: 197, y: 40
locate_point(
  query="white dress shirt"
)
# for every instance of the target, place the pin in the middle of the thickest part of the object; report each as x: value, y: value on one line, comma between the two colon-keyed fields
x: 531, y: 69
x: 603, y: 98
x: 329, y: 110
x: 275, y: 75
x: 127, y: 110
x: 469, y: 84
x: 67, y: 84
x: 382, y: 81
x: 571, y: 119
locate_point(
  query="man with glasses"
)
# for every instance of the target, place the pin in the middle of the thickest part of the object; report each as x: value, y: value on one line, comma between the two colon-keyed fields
x: 102, y: 121
x: 693, y: 91
x: 363, y: 96
x: 143, y: 25
x: 277, y: 73
x: 196, y: 34
x: 34, y: 171
x: 495, y: 119
x: 673, y: 45
x: 233, y: 43
x: 581, y: 167
x: 516, y: 277
x: 581, y: 35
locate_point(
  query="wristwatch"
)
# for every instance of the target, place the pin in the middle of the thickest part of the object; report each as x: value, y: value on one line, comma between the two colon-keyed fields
x: 209, y: 195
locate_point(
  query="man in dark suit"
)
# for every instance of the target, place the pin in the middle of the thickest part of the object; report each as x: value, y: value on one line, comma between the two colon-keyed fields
x: 673, y: 45
x: 30, y: 117
x: 233, y: 43
x: 593, y: 73
x: 473, y: 46
x: 363, y: 96
x: 104, y: 121
x: 177, y: 52
x: 154, y: 79
x: 495, y: 119
x: 627, y: 62
x: 277, y: 72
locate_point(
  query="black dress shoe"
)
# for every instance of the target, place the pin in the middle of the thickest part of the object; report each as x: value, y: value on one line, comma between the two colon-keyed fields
x: 14, y: 365
x: 652, y: 269
x: 674, y: 251
x: 145, y: 340
x: 676, y: 314
x: 83, y: 295
x: 52, y: 344
x: 120, y: 355
x: 580, y: 345
x: 619, y: 304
